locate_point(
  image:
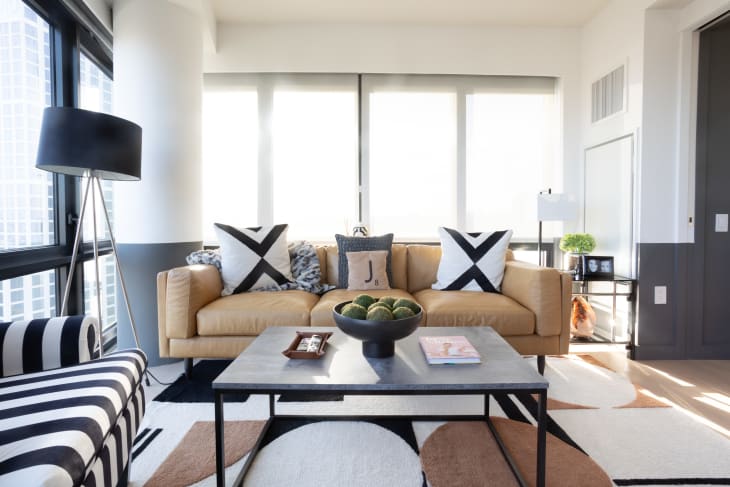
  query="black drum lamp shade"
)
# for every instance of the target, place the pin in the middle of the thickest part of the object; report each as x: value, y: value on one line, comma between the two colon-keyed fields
x: 82, y: 143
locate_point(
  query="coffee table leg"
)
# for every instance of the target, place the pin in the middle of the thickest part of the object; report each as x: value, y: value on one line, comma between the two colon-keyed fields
x: 486, y: 405
x: 220, y: 468
x: 541, y: 433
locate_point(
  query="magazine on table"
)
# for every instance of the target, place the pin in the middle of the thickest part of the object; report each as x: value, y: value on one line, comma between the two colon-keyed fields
x: 449, y: 350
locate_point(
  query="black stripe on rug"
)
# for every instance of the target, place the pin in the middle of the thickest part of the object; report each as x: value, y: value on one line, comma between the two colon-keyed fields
x: 198, y: 388
x: 676, y: 481
x: 138, y: 451
x: 553, y: 428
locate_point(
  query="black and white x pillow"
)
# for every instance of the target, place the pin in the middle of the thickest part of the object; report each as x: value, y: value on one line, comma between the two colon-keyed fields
x: 253, y: 258
x: 471, y: 261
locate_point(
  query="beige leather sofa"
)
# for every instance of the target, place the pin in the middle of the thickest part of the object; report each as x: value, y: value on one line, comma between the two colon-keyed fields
x: 194, y: 321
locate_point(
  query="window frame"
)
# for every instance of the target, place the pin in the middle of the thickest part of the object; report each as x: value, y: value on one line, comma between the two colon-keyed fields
x: 71, y: 32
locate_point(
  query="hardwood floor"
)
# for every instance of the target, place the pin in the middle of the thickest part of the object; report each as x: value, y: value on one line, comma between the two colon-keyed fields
x: 700, y: 388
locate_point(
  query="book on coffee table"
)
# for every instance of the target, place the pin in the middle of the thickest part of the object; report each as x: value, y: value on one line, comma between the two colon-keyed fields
x: 448, y: 350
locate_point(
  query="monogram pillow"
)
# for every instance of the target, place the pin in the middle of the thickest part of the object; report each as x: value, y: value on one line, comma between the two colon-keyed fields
x: 361, y: 244
x: 367, y: 270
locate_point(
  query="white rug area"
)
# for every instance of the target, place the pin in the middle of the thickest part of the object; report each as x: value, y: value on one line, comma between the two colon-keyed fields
x: 627, y: 442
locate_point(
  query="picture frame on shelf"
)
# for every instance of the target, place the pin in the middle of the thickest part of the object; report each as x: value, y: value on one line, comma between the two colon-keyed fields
x: 597, y: 267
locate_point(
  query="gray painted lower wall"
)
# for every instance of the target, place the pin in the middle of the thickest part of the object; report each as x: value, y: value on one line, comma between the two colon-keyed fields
x: 661, y: 328
x: 140, y: 264
x: 693, y: 323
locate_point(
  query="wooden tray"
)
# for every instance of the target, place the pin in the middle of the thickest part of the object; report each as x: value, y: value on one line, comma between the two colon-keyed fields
x: 292, y: 351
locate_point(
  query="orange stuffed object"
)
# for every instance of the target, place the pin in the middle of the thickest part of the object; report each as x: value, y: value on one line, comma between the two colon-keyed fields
x: 583, y: 318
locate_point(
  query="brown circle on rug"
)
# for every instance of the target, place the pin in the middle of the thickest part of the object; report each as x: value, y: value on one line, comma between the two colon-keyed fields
x: 464, y: 454
x: 193, y: 459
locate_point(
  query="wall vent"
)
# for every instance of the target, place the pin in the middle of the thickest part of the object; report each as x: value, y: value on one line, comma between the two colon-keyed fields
x: 607, y: 94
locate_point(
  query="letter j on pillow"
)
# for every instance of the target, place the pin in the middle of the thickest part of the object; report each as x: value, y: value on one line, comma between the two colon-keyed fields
x: 367, y: 270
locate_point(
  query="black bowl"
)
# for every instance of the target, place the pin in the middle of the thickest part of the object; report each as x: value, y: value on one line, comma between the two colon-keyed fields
x: 378, y: 337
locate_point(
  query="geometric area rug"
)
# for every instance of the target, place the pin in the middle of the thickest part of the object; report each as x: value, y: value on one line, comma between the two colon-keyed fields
x: 603, y: 430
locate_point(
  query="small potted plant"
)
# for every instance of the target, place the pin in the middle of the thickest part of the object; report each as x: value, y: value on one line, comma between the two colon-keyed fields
x: 577, y: 244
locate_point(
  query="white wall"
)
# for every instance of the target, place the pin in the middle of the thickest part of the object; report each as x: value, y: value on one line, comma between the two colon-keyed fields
x: 660, y: 191
x: 412, y: 49
x: 158, y: 52
x: 657, y: 45
x: 669, y: 120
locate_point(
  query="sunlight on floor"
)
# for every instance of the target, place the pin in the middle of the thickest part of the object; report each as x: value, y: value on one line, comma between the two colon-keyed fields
x: 718, y: 401
x: 694, y: 416
x: 676, y: 380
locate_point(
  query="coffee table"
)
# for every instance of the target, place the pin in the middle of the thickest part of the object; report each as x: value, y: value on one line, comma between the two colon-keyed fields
x: 262, y: 369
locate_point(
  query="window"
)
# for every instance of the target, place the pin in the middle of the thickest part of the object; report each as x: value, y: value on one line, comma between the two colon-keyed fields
x: 280, y: 149
x: 314, y: 144
x: 40, y: 42
x: 402, y: 153
x: 509, y: 160
x: 29, y: 296
x: 24, y: 92
x: 412, y: 163
x: 230, y: 151
x: 95, y: 94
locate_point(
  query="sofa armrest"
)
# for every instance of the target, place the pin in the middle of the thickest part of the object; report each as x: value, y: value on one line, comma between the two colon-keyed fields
x: 48, y: 343
x: 181, y: 292
x: 543, y: 291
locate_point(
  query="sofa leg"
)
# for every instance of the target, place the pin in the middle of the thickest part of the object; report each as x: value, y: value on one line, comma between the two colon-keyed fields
x: 541, y: 364
x: 188, y: 368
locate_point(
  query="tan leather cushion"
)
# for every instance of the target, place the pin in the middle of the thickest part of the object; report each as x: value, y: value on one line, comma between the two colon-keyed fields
x: 252, y: 312
x: 322, y: 256
x: 540, y: 290
x: 322, y: 311
x: 398, y: 263
x: 187, y: 290
x: 474, y: 308
x: 423, y: 263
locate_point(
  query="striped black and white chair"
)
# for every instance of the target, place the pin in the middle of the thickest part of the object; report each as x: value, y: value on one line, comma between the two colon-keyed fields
x: 67, y: 415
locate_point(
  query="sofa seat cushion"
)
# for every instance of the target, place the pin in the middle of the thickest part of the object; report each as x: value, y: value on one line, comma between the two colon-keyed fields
x: 470, y: 308
x: 322, y: 312
x: 251, y: 313
x: 56, y: 423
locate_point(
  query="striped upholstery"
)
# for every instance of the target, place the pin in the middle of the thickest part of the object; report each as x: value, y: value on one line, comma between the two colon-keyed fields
x: 47, y: 343
x: 73, y: 425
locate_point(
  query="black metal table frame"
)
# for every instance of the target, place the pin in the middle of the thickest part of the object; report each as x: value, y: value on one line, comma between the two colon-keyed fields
x: 220, y: 424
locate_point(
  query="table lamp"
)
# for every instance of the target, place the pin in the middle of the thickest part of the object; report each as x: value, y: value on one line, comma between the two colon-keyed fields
x: 554, y: 207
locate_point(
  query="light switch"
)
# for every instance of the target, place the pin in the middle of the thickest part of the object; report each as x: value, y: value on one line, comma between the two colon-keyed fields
x: 660, y: 294
x: 721, y: 222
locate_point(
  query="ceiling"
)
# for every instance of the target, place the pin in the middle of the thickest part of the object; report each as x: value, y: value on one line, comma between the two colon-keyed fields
x: 532, y: 13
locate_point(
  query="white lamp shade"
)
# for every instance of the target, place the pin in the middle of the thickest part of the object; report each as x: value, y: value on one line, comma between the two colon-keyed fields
x: 556, y: 207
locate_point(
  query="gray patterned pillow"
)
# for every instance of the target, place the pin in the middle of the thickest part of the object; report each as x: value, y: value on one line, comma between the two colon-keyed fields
x: 210, y: 257
x: 360, y: 244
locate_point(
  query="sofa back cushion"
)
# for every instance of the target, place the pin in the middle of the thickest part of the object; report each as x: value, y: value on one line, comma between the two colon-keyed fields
x: 322, y: 256
x: 423, y: 264
x: 329, y: 262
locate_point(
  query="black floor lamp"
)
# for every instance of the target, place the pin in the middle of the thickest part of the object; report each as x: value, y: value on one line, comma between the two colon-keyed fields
x: 95, y: 146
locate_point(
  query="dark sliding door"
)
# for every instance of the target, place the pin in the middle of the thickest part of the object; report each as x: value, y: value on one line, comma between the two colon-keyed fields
x: 709, y: 323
